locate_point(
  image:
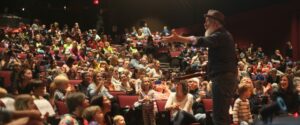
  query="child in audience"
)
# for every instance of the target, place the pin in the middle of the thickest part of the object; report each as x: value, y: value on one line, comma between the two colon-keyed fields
x: 241, y: 110
x: 61, y: 87
x: 76, y: 103
x: 94, y: 115
x: 146, y: 97
x: 119, y: 120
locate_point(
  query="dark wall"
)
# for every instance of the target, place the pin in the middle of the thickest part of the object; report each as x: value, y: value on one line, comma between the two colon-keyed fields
x: 48, y: 11
x: 268, y: 27
x: 156, y: 13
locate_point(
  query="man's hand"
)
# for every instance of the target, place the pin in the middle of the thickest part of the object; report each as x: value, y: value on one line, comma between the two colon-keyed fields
x: 173, y: 37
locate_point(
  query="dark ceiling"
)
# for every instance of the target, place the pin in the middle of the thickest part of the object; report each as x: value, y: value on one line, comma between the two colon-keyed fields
x: 126, y: 12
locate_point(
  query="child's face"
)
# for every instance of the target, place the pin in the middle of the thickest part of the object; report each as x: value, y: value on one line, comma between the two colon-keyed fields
x: 99, y: 116
x: 247, y: 94
x: 121, y: 121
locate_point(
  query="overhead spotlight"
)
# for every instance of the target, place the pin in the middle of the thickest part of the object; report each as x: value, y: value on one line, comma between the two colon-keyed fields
x: 65, y: 7
x: 95, y: 2
x: 23, y: 9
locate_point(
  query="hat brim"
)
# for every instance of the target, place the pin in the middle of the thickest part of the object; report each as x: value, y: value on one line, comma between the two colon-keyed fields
x: 215, y: 18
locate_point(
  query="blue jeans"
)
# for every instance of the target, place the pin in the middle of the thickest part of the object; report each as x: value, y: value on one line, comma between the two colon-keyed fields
x: 224, y: 86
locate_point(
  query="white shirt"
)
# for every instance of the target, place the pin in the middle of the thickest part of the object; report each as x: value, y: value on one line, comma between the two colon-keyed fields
x: 185, y: 104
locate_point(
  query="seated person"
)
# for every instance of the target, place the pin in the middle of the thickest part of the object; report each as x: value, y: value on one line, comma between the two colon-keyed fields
x: 104, y: 103
x: 94, y: 115
x: 180, y: 104
x: 76, y: 103
x: 287, y: 92
x: 119, y: 120
x: 61, y: 87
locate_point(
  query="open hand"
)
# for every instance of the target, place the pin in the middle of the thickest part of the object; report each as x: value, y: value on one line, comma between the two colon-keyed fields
x: 172, y: 37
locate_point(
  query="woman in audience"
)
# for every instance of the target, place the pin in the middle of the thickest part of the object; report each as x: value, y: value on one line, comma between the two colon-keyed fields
x: 23, y: 86
x: 146, y: 101
x: 287, y: 92
x: 155, y: 72
x: 180, y: 104
x: 125, y: 84
x: 115, y: 80
x: 97, y: 86
x: 104, y: 103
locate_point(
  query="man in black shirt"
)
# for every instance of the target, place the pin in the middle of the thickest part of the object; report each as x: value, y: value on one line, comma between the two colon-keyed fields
x: 222, y: 63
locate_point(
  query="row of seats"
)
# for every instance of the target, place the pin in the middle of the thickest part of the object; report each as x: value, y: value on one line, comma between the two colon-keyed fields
x: 127, y: 101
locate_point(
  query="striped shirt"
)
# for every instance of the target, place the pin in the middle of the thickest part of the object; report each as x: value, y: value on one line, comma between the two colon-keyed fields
x: 241, y: 111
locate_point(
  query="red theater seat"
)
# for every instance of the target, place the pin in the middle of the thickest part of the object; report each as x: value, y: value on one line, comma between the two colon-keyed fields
x: 127, y: 101
x: 1, y: 50
x: 208, y: 105
x: 61, y: 107
x: 161, y: 105
x: 175, y: 53
x: 22, y: 56
x: 163, y: 116
x: 6, y: 76
x: 39, y: 56
x: 116, y: 93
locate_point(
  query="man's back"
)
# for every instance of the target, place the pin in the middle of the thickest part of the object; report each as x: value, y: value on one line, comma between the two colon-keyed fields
x: 221, y: 54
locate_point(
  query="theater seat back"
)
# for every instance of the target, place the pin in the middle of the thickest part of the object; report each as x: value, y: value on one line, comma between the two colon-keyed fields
x: 127, y: 101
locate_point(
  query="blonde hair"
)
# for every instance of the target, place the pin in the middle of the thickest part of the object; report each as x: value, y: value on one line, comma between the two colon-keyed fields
x: 89, y: 112
x: 243, y: 88
x: 58, y: 80
x: 246, y: 80
x: 117, y: 118
x: 3, y: 92
x: 21, y: 102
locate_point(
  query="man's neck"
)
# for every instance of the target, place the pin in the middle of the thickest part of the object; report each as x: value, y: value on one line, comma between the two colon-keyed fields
x: 209, y: 31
